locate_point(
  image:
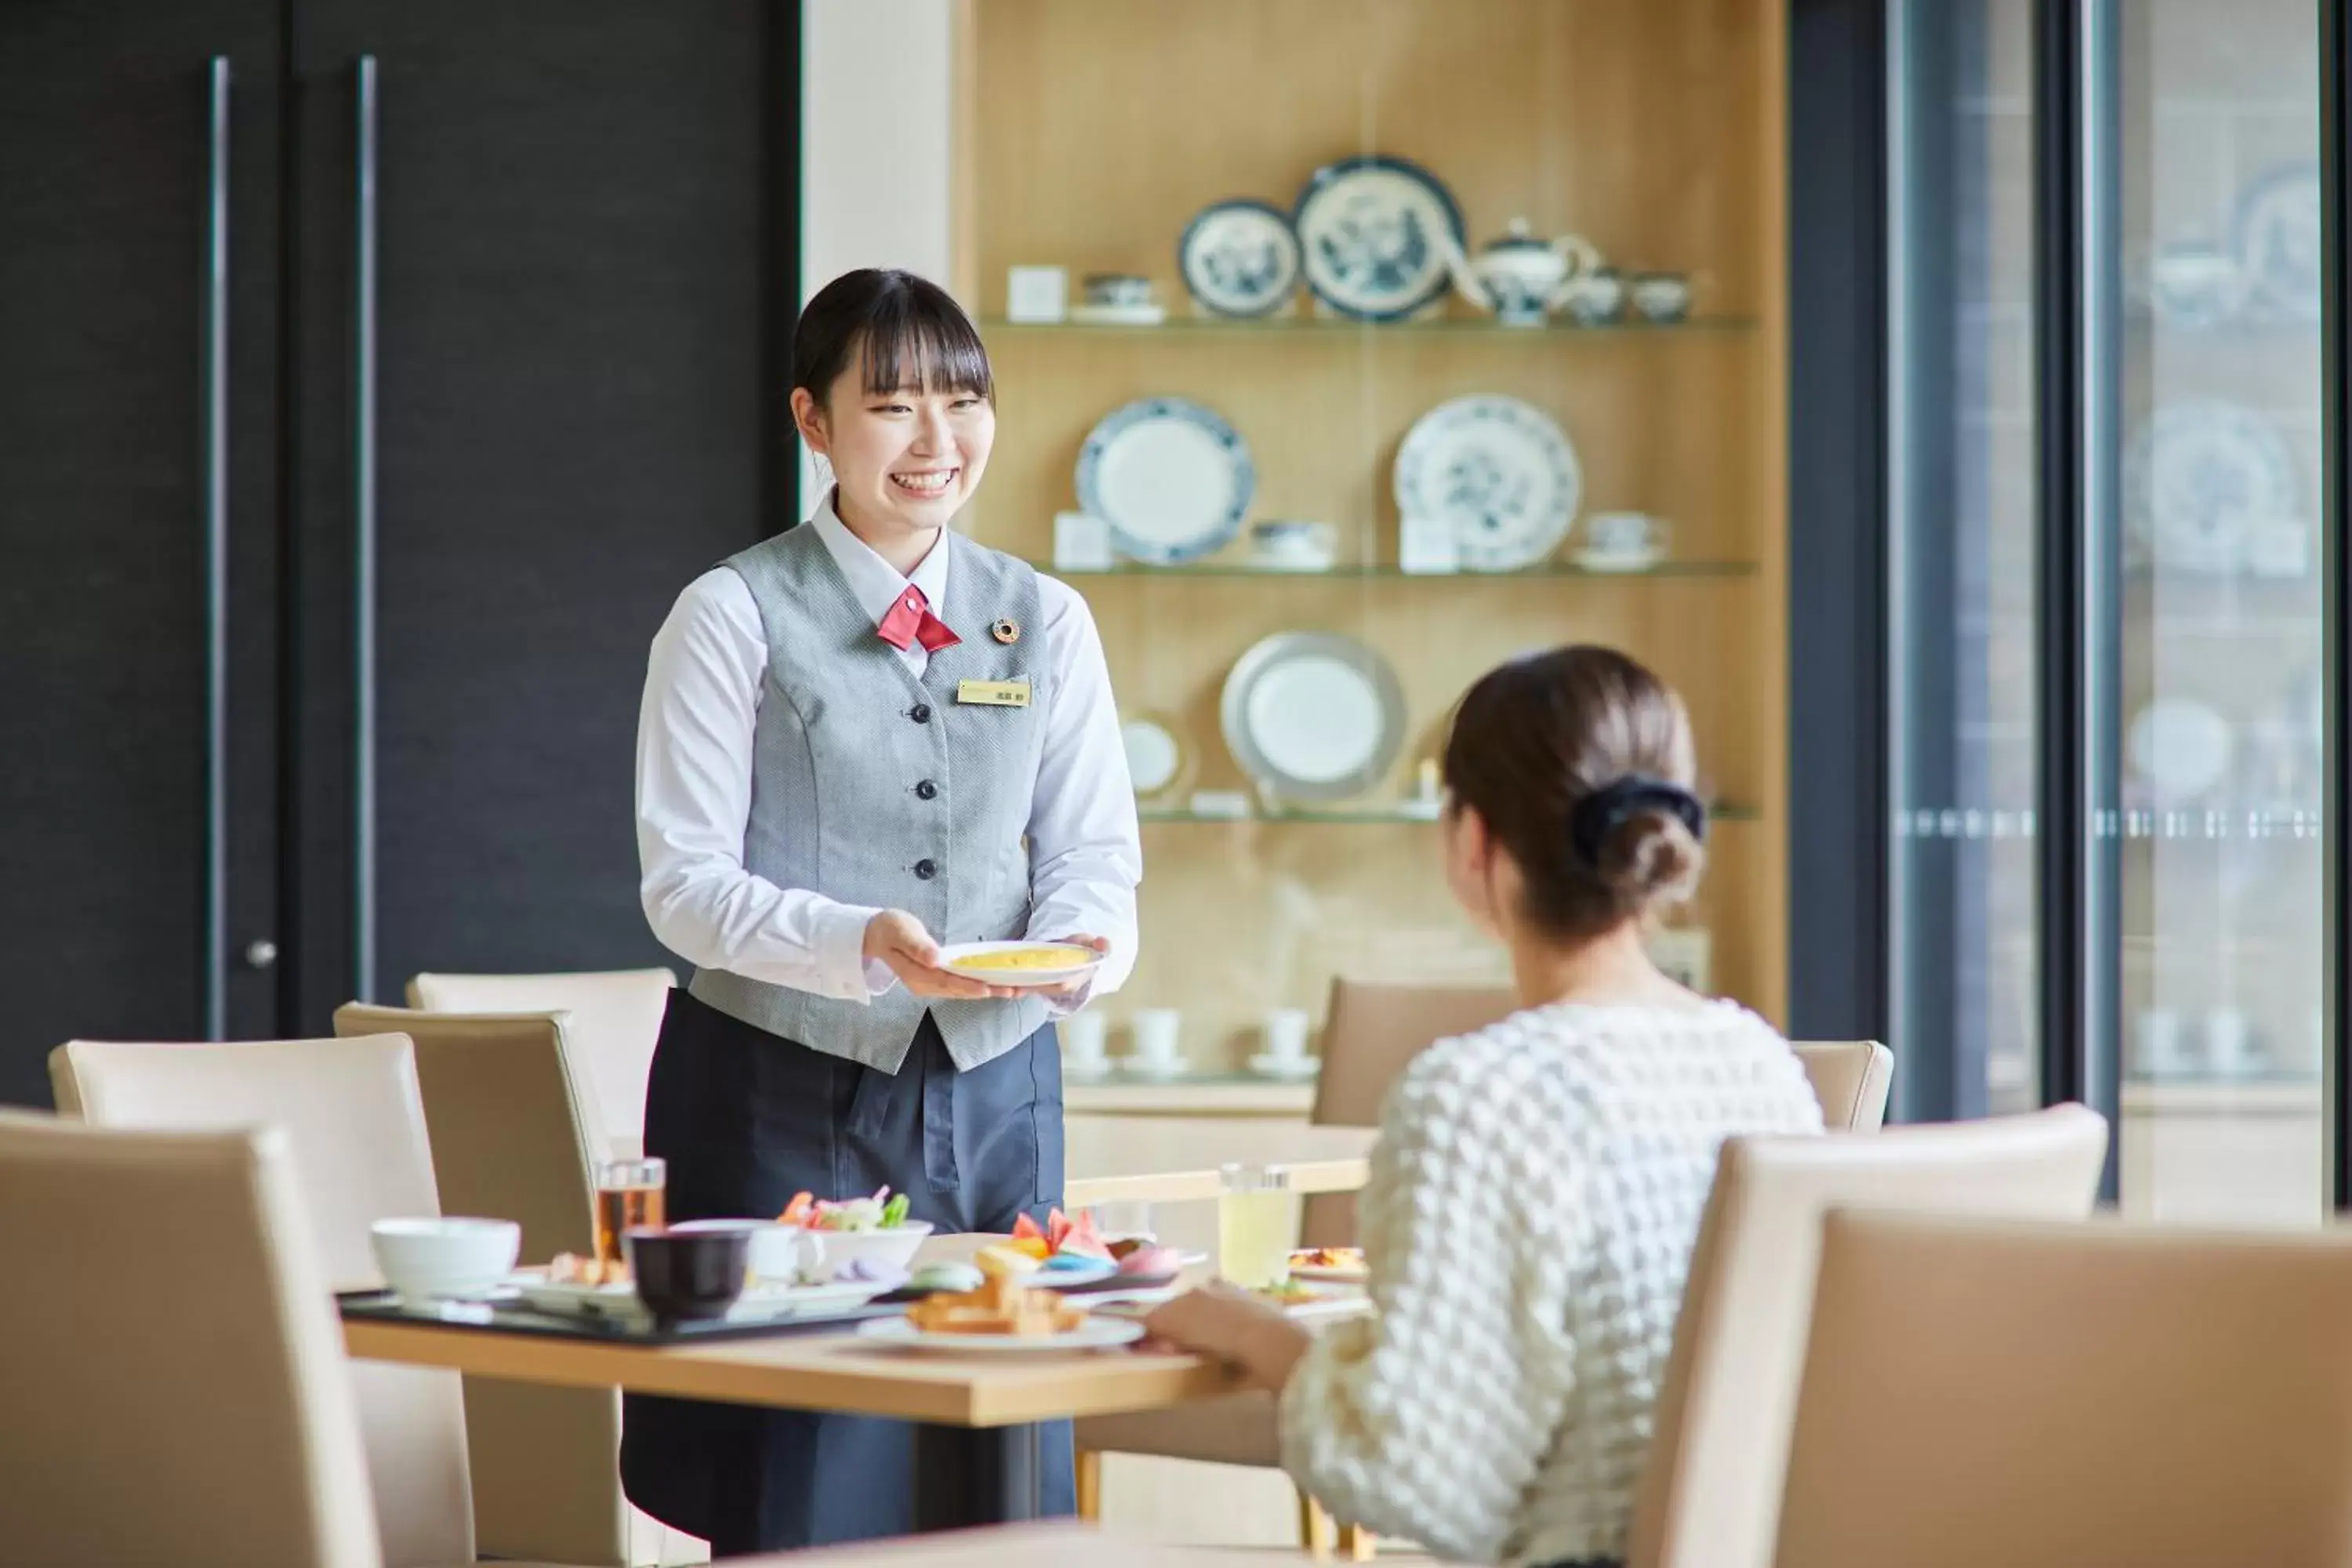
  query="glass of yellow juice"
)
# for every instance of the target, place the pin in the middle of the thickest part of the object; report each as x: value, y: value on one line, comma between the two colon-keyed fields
x: 1253, y: 1226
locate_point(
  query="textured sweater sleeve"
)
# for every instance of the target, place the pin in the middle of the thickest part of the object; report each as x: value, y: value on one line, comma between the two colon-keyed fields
x: 1429, y: 1417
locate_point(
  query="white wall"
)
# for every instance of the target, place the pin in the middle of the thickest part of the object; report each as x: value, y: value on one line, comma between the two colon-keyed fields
x: 876, y: 80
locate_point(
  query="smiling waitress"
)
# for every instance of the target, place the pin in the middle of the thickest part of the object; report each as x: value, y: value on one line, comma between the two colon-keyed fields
x: 862, y: 739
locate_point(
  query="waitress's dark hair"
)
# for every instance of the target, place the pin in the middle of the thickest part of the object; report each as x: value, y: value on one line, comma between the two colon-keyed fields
x: 1582, y: 763
x: 909, y: 330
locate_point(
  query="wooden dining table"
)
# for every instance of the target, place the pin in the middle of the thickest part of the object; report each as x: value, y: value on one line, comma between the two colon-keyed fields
x: 974, y: 1471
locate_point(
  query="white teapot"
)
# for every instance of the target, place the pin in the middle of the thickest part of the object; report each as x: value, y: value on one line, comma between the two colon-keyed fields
x: 1520, y: 279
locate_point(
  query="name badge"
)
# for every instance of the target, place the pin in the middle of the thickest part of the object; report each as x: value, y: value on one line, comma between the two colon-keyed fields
x: 993, y: 693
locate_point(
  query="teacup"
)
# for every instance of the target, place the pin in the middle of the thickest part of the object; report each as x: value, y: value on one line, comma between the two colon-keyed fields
x: 1286, y: 1032
x: 1117, y: 289
x: 1159, y: 1038
x: 1661, y: 297
x: 1629, y: 539
x: 1293, y: 545
x: 1594, y: 298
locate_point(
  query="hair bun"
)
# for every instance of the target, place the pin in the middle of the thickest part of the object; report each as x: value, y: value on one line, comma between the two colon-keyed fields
x: 1650, y: 859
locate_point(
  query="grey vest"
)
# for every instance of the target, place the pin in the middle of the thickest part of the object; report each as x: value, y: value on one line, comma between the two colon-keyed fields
x: 873, y: 787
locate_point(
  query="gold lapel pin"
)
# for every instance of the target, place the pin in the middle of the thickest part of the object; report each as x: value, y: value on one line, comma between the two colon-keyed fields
x: 1006, y: 631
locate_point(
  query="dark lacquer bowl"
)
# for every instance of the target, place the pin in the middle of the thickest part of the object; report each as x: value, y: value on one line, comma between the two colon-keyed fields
x: 684, y: 1275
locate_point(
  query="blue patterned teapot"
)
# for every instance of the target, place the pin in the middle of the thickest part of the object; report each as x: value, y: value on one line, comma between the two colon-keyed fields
x: 1520, y: 279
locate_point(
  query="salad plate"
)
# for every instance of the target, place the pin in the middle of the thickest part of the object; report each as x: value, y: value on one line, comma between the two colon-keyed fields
x: 1169, y: 476
x: 1497, y: 472
x: 1376, y: 235
x: 1240, y: 257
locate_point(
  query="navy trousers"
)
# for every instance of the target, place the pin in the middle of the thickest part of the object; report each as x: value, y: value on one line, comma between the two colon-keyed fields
x: 745, y: 1119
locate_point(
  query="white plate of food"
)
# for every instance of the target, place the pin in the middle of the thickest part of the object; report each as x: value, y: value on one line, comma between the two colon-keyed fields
x: 1313, y: 716
x: 1020, y: 964
x: 1499, y: 472
x: 619, y: 1303
x: 1337, y: 1265
x: 1092, y: 1334
x: 1172, y: 477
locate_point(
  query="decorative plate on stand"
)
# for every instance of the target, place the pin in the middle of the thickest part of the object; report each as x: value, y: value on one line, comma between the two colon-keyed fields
x: 1499, y: 472
x: 1373, y: 234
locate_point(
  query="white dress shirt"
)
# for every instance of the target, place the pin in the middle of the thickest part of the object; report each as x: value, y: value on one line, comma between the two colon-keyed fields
x: 704, y: 683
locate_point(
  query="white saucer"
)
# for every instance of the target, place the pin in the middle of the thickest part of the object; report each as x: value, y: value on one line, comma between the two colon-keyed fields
x: 1158, y: 1072
x: 1095, y: 1071
x: 1118, y: 315
x: 1289, y: 1070
x: 1618, y: 561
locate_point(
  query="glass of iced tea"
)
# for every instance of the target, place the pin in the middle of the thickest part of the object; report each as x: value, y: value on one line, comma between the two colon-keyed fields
x: 628, y: 1195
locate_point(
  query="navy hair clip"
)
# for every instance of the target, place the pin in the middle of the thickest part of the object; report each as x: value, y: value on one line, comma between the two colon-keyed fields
x: 1592, y: 819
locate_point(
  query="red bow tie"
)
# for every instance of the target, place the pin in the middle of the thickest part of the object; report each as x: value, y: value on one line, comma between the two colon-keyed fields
x: 910, y: 621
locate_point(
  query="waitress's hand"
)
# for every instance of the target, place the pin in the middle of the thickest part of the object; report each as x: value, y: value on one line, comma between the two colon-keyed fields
x: 1072, y: 987
x: 899, y: 939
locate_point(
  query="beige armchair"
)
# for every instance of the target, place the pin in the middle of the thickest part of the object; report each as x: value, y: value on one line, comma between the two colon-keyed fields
x: 356, y: 1124
x: 1709, y: 1495
x: 2073, y: 1396
x: 513, y: 1130
x: 617, y: 1018
x: 175, y: 1376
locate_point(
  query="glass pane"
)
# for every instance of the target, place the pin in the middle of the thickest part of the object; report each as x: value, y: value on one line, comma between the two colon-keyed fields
x: 1964, y: 559
x: 2221, y: 913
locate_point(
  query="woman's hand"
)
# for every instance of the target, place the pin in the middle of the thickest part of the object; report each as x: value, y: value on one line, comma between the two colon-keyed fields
x: 899, y: 939
x: 1072, y: 987
x: 1234, y: 1326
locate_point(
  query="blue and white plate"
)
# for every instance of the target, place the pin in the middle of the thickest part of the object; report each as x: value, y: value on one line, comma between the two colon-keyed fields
x: 2201, y: 477
x: 1373, y: 234
x: 1499, y: 472
x: 1240, y: 257
x: 2278, y: 240
x: 1171, y: 478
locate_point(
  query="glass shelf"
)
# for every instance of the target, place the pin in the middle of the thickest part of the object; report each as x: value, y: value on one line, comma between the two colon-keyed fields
x: 1343, y: 330
x: 1371, y: 815
x: 1388, y: 571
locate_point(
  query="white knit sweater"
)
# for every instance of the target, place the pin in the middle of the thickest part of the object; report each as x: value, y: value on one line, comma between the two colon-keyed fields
x: 1533, y: 1203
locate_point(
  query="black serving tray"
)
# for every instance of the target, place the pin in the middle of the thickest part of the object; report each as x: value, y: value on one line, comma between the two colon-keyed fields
x: 520, y: 1318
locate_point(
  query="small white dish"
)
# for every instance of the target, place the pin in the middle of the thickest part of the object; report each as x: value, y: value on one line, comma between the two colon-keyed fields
x: 1155, y: 757
x: 1157, y: 1070
x: 837, y: 1249
x: 1079, y: 963
x: 1087, y: 1069
x: 444, y: 1258
x: 763, y: 1302
x: 1094, y: 1335
x: 1092, y: 315
x: 1289, y: 1070
x: 1240, y: 257
x: 1624, y: 561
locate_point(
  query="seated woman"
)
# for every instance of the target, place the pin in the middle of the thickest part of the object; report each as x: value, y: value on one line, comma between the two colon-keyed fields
x: 1537, y: 1187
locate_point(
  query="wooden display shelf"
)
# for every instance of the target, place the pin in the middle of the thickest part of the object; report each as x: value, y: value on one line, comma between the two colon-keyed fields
x: 1088, y: 135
